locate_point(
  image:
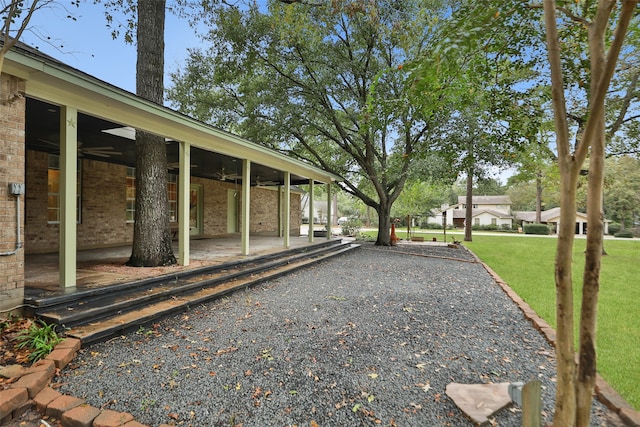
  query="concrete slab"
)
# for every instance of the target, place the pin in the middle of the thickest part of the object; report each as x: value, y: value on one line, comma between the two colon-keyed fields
x: 479, y: 401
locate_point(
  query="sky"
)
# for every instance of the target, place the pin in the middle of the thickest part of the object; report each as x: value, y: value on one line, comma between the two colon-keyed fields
x: 88, y: 46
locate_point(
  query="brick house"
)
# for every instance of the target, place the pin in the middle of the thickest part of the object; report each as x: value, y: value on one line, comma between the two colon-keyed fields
x: 67, y: 158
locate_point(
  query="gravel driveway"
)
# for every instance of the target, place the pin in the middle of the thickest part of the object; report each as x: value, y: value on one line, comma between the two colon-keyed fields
x: 369, y: 338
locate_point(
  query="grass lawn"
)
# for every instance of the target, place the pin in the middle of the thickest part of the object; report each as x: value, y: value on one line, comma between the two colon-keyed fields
x: 526, y: 263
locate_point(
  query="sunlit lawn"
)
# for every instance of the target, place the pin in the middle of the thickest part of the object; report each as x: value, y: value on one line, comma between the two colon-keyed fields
x: 526, y: 263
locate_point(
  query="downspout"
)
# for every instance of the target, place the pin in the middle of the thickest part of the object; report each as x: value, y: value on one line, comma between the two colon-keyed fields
x: 16, y: 192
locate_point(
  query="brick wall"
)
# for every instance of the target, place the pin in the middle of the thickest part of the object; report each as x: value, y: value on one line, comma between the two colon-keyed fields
x: 12, y: 121
x: 103, y: 202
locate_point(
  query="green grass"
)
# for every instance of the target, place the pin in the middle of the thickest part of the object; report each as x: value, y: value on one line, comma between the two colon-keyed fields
x: 527, y: 265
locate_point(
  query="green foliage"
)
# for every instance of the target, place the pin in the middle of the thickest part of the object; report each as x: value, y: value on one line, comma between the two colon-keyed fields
x: 351, y: 227
x: 486, y: 227
x: 424, y: 223
x: 614, y: 227
x: 541, y: 229
x: 625, y: 234
x: 326, y: 83
x: 40, y: 338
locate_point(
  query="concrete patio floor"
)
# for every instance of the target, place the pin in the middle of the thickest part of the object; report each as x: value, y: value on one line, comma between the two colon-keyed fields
x: 106, y: 266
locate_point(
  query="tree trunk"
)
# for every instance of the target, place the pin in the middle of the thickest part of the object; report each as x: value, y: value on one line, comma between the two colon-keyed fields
x: 469, y: 210
x: 565, y: 350
x: 593, y: 253
x: 564, y: 415
x: 151, y: 235
x: 384, y: 225
x: 538, y: 197
x: 574, y: 395
x: 151, y: 231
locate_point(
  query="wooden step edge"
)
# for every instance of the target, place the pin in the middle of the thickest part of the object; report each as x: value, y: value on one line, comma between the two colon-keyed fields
x: 78, y: 317
x: 123, y: 322
x: 65, y: 298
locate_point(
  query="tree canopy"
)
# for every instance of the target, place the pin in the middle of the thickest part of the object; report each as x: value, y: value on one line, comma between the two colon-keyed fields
x: 323, y: 83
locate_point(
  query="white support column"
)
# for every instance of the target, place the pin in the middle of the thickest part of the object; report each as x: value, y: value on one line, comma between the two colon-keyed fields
x: 287, y: 209
x: 246, y: 199
x: 68, y: 195
x: 329, y: 213
x: 311, y: 210
x: 184, y: 191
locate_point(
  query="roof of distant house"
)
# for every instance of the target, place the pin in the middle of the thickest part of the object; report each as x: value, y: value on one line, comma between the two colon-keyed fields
x: 486, y: 200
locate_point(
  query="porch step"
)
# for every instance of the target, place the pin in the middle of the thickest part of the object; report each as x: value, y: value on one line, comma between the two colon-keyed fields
x: 98, y: 314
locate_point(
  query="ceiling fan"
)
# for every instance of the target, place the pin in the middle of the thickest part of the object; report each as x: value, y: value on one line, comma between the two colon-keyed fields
x: 260, y: 183
x: 223, y: 176
x: 176, y: 165
x: 104, y: 151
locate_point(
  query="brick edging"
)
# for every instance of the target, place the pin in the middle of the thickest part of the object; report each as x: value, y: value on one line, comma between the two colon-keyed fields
x: 31, y: 391
x: 604, y: 392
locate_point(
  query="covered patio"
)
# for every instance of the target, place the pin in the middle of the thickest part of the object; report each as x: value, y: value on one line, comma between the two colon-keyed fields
x: 103, y: 267
x: 71, y: 139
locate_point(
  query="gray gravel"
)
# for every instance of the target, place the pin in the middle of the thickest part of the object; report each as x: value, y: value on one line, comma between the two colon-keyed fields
x: 372, y: 337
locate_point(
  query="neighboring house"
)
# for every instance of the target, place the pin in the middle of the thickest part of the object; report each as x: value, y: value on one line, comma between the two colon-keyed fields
x: 486, y: 210
x: 552, y: 219
x: 68, y: 180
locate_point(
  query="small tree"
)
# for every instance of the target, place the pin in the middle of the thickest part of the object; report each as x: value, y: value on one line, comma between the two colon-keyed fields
x: 575, y: 386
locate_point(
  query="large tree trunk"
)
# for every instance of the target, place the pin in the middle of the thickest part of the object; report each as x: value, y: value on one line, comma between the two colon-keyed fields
x: 151, y: 232
x: 384, y: 224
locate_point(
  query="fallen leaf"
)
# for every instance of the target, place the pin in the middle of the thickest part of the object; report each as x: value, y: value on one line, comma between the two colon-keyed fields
x: 374, y: 375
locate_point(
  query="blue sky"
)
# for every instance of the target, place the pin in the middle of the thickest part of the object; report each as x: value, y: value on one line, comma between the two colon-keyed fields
x: 88, y: 46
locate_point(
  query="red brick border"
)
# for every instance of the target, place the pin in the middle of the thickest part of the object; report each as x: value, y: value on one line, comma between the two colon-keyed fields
x: 31, y: 390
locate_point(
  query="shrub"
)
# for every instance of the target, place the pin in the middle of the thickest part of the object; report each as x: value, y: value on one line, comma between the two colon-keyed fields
x: 486, y: 227
x: 614, y: 227
x: 505, y: 227
x: 540, y: 229
x: 351, y: 227
x: 40, y: 338
x: 431, y: 226
x: 627, y: 234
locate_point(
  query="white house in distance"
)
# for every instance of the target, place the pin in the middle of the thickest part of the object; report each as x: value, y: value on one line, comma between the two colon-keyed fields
x: 486, y: 210
x: 552, y: 219
x: 496, y: 210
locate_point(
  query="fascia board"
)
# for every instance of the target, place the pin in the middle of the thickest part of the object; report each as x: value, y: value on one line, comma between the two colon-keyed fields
x: 91, y: 96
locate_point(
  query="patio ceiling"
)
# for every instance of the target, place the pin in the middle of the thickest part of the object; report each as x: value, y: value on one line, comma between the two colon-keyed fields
x: 106, y: 141
x: 215, y: 154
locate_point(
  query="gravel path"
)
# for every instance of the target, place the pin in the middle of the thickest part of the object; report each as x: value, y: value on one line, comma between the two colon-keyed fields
x: 372, y: 337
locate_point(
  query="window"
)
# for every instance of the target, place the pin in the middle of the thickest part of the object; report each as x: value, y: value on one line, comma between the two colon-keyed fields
x: 474, y: 206
x: 494, y: 221
x: 53, y: 190
x: 172, y: 192
x: 131, y: 194
x: 476, y: 221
